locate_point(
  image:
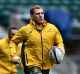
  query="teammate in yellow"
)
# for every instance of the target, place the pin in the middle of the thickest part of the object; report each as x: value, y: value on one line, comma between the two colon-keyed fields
x: 7, y: 66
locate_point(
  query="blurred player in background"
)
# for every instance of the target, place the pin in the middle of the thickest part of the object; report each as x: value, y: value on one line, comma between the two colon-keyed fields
x: 7, y: 66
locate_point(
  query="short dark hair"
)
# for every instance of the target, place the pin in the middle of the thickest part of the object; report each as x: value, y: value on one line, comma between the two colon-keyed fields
x: 12, y: 28
x: 33, y: 8
x: 9, y: 30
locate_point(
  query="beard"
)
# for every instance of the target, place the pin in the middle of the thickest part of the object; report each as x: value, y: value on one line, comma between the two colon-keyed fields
x: 41, y: 21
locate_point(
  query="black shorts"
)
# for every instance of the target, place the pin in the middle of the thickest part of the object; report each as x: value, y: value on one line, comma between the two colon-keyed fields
x: 36, y: 70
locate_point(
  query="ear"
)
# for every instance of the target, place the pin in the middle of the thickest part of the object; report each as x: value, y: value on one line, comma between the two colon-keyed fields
x: 32, y: 17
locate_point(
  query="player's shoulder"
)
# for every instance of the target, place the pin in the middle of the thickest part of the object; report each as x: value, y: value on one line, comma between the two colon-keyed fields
x: 52, y: 26
x: 25, y: 26
x: 3, y: 40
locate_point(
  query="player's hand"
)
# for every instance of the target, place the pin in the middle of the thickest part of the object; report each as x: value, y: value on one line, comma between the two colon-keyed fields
x: 62, y: 49
x: 16, y: 59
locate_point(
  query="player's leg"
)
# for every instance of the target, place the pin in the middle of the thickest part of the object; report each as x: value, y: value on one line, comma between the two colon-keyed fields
x: 35, y: 70
x: 45, y: 71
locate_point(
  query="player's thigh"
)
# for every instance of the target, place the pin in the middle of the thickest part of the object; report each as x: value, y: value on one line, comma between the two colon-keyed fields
x: 45, y: 71
x: 14, y: 73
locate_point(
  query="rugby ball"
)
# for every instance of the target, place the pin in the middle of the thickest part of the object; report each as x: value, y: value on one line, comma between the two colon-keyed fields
x: 55, y: 55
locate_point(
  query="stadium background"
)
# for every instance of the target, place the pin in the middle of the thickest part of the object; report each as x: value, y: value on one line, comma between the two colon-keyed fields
x: 67, y: 19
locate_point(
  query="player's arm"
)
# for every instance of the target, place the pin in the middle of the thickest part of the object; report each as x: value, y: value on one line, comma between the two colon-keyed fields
x: 18, y: 37
x: 59, y: 41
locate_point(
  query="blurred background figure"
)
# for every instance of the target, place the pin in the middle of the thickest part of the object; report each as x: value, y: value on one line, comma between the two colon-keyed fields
x: 6, y: 64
